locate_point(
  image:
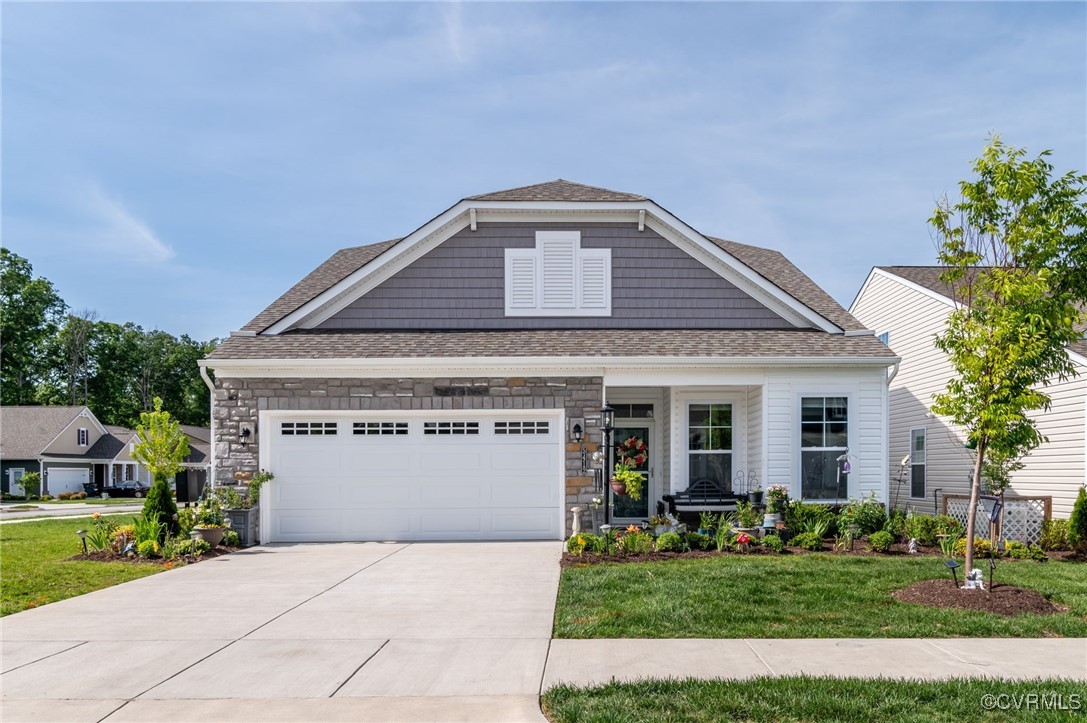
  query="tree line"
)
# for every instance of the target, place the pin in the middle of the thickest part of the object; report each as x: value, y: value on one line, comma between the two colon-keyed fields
x: 52, y: 355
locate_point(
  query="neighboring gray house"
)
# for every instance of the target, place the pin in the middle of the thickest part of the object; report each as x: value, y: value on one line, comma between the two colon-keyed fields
x: 430, y: 387
x: 69, y: 447
x: 908, y: 306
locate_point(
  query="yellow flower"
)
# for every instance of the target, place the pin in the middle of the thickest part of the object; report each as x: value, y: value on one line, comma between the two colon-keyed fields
x: 96, y: 515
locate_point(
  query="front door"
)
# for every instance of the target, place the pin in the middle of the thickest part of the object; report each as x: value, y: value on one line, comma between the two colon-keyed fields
x: 625, y: 509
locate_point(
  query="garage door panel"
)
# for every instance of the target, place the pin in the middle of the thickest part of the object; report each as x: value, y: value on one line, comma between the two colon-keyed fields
x: 541, y: 523
x: 413, y: 485
x: 66, y: 480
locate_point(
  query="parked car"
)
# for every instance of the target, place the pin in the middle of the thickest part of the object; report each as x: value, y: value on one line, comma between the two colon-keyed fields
x: 128, y: 488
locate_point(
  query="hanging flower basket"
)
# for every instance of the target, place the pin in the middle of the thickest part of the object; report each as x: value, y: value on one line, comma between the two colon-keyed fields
x: 619, y: 488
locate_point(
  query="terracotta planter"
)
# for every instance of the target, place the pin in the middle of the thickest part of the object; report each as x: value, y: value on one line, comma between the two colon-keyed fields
x: 211, y: 535
x: 619, y: 488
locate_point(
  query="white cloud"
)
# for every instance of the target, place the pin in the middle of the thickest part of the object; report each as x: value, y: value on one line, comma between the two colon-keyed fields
x: 118, y: 231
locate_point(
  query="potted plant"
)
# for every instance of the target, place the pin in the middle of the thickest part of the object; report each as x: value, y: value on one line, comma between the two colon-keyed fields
x: 625, y: 481
x: 707, y: 523
x: 243, y: 509
x: 776, y: 496
x: 210, y: 522
x: 661, y: 524
x: 747, y: 517
x: 754, y: 495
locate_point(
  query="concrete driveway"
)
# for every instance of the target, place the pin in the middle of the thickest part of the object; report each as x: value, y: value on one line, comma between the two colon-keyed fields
x: 342, y: 631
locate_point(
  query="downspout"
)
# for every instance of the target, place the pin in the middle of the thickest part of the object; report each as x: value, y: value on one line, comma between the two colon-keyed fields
x: 211, y: 423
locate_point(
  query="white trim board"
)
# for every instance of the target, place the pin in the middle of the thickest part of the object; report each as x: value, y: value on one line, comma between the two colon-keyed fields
x: 520, y: 366
x: 458, y: 217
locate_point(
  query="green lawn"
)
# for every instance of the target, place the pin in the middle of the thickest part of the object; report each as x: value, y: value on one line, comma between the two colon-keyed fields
x: 798, y: 596
x: 35, y: 571
x: 814, y: 699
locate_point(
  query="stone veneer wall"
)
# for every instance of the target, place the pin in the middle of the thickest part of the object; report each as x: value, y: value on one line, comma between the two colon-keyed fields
x: 238, y: 401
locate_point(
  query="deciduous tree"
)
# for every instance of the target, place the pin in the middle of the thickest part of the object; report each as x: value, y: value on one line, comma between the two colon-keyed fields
x: 1015, y: 256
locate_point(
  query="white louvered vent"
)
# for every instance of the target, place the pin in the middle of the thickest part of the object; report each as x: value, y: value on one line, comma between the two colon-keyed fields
x: 595, y: 279
x: 521, y: 280
x: 558, y: 278
x: 559, y: 262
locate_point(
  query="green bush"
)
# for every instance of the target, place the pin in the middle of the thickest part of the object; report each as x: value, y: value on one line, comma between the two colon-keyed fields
x: 192, y: 547
x: 1054, y: 535
x: 698, y: 541
x: 1019, y: 551
x: 1077, y: 523
x: 896, y: 524
x: 808, y: 541
x: 670, y: 542
x: 799, y: 515
x: 578, y: 544
x: 868, y: 514
x: 981, y: 547
x: 635, y: 543
x: 159, y: 506
x: 880, y: 541
x: 148, y: 548
x: 926, y: 529
x: 230, y: 539
x: 774, y: 543
x: 31, y: 483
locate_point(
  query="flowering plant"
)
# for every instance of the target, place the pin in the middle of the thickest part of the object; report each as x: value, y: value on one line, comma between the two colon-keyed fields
x: 627, y: 477
x: 596, y: 503
x: 777, y: 492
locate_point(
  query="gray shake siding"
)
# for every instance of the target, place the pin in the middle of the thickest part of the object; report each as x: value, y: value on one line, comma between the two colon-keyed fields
x: 239, y: 401
x: 459, y: 285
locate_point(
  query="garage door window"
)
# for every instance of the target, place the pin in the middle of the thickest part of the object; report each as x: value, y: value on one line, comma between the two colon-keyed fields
x: 304, y: 429
x: 450, y: 427
x: 521, y: 427
x: 382, y: 429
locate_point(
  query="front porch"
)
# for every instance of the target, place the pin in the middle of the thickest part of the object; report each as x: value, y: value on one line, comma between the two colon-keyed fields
x: 739, y: 437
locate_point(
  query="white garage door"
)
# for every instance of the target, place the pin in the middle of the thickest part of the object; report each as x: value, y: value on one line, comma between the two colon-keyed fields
x: 442, y: 476
x: 67, y: 480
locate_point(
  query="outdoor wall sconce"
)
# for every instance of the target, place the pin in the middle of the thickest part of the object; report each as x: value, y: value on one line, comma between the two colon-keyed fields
x: 244, y: 434
x: 579, y: 436
x: 578, y: 433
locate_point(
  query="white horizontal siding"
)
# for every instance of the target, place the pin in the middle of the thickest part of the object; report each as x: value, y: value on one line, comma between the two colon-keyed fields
x: 912, y: 320
x: 755, y: 433
x: 867, y: 425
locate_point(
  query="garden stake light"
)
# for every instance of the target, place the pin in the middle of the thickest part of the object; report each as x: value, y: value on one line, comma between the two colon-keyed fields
x: 606, y: 531
x: 992, y: 568
x: 82, y: 534
x: 953, y: 566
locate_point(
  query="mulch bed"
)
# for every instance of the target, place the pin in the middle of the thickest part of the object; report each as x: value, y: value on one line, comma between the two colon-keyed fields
x: 107, y: 556
x: 1002, y: 599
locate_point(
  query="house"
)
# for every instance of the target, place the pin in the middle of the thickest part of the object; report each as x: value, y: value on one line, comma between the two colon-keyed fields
x: 907, y: 306
x: 449, y: 384
x: 70, y: 448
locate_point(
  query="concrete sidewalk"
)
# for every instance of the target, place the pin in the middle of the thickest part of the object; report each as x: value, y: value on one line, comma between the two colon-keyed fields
x: 585, y: 662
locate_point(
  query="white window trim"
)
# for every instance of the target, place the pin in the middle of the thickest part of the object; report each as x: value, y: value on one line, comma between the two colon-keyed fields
x: 681, y: 402
x: 83, y: 437
x: 796, y: 488
x: 581, y: 255
x: 913, y: 462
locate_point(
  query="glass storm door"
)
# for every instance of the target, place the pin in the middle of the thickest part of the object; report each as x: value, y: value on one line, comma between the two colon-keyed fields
x: 626, y: 509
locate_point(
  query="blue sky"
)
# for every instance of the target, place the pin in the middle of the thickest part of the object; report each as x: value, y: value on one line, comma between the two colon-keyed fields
x: 180, y: 165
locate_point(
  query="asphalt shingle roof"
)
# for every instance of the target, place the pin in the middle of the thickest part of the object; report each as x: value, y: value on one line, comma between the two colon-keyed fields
x: 780, y: 271
x: 732, y: 343
x: 25, y: 431
x: 558, y: 190
x: 339, y: 266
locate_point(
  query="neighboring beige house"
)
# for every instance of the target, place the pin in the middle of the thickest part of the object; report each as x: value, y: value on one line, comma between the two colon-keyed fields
x: 70, y: 448
x: 907, y: 306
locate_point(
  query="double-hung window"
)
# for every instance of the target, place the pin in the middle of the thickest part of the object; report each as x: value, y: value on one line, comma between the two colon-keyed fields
x: 918, y: 460
x: 824, y: 437
x: 709, y: 444
x: 558, y: 277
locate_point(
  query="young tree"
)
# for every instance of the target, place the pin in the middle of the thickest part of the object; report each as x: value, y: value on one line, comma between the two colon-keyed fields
x: 1015, y: 252
x: 161, y: 447
x: 30, y: 310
